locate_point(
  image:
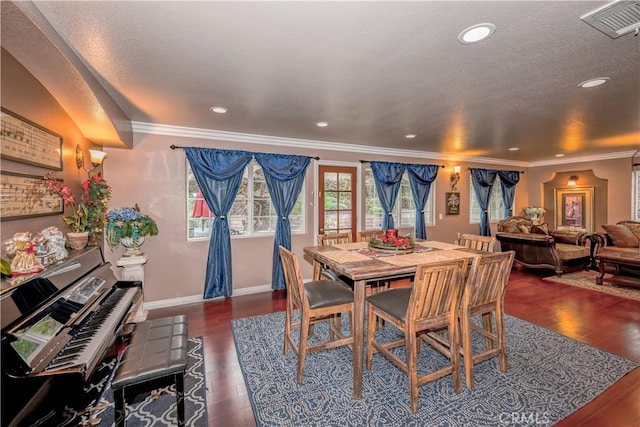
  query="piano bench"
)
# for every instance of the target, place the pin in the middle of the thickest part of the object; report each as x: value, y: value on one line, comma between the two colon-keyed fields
x: 157, y: 350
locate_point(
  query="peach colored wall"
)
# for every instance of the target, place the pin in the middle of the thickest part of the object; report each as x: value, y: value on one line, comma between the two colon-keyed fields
x: 613, y: 205
x: 25, y: 96
x: 153, y: 176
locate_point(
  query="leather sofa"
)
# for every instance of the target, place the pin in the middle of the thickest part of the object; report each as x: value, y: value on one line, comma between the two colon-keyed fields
x: 623, y: 236
x: 537, y: 247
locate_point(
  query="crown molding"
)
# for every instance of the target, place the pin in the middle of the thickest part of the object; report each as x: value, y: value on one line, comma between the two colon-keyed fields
x: 590, y: 158
x: 208, y: 134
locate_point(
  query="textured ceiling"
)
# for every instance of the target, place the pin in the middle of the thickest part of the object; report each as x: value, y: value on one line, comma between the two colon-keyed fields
x: 374, y: 70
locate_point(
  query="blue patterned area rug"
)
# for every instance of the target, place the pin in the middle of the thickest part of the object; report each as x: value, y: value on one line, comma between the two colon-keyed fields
x: 156, y: 405
x: 549, y: 377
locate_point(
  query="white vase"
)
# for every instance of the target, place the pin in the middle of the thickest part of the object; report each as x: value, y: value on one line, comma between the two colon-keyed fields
x: 78, y: 241
x: 132, y: 246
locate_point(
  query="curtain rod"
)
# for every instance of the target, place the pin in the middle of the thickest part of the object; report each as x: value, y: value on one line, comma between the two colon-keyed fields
x: 369, y: 161
x: 174, y: 147
x: 479, y: 168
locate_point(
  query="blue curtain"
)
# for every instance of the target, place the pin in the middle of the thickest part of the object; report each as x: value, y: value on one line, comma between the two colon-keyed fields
x: 483, y: 180
x: 219, y: 174
x: 387, y: 177
x: 508, y: 181
x: 420, y: 178
x: 284, y: 175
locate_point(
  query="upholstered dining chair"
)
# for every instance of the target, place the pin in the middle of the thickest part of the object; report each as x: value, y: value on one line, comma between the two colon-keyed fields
x: 431, y: 304
x: 320, y: 300
x: 474, y: 241
x: 483, y: 295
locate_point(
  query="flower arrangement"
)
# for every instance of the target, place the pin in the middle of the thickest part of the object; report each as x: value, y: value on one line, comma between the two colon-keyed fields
x: 128, y: 222
x: 89, y: 214
x: 391, y: 240
x: 533, y: 210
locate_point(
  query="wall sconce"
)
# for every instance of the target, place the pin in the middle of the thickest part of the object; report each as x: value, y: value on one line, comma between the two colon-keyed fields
x: 97, y: 158
x: 572, y: 181
x: 455, y: 177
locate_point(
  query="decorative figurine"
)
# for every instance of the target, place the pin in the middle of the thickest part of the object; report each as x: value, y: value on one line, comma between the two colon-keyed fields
x: 25, y: 260
x: 56, y: 244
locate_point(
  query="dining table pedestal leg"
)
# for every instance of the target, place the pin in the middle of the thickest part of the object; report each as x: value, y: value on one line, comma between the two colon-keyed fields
x: 358, y: 336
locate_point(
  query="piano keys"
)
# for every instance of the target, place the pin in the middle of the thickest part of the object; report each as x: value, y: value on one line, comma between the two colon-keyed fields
x: 56, y: 328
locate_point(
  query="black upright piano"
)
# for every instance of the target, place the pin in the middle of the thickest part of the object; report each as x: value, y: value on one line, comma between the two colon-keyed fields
x: 57, y: 326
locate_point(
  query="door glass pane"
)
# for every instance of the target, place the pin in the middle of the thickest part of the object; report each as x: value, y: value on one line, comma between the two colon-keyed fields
x: 330, y: 181
x: 345, y: 221
x: 345, y: 201
x: 345, y: 181
x: 330, y: 200
x: 330, y: 221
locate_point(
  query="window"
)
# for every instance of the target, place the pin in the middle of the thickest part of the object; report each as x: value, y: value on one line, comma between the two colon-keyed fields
x: 252, y: 212
x: 496, y: 205
x: 636, y: 195
x: 404, y: 211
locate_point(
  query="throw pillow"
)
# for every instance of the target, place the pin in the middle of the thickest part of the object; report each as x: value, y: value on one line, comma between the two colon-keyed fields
x: 634, y: 227
x: 523, y: 228
x: 540, y: 228
x: 621, y: 236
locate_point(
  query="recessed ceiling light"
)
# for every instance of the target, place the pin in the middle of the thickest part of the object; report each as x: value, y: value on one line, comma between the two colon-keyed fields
x: 560, y: 155
x: 476, y: 33
x: 514, y: 148
x: 322, y: 124
x: 410, y: 136
x: 594, y: 82
x: 219, y: 110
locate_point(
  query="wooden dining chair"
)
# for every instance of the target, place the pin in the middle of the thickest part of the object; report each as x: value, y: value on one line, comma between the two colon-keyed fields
x: 474, y: 241
x: 431, y: 304
x: 334, y: 238
x: 365, y: 236
x: 317, y: 301
x: 483, y: 295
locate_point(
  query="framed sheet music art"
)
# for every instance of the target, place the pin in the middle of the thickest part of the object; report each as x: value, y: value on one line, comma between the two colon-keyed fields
x: 26, y: 142
x: 26, y: 196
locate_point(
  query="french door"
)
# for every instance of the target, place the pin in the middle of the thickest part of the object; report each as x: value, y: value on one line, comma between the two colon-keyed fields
x: 337, y: 199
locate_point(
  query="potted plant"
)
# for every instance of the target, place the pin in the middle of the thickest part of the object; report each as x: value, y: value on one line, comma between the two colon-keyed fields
x: 128, y: 226
x: 87, y: 219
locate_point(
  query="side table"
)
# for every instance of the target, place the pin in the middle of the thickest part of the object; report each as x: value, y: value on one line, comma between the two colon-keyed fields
x: 133, y: 269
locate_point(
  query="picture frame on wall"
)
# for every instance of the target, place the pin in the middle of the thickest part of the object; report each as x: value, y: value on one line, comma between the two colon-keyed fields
x: 26, y: 196
x: 574, y: 208
x: 452, y: 203
x: 23, y: 141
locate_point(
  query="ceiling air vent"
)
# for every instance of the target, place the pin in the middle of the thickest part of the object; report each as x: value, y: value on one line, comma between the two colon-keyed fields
x: 615, y: 19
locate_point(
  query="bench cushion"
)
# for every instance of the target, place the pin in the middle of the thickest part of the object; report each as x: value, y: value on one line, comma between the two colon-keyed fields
x: 158, y: 348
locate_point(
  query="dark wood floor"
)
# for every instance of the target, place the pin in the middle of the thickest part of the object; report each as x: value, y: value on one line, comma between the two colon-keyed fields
x: 601, y: 320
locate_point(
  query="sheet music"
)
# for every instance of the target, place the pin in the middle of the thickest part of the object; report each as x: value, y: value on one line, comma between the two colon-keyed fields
x: 22, y: 195
x: 27, y: 143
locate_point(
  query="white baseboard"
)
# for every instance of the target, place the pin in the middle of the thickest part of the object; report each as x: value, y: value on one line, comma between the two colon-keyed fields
x: 198, y: 298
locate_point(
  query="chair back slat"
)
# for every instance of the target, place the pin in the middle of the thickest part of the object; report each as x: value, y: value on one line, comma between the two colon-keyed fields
x: 365, y: 236
x: 334, y: 239
x: 436, y: 290
x: 474, y: 241
x: 488, y: 278
x: 292, y: 276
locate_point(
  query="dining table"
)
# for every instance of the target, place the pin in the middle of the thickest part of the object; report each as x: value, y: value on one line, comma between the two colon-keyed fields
x: 363, y: 264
